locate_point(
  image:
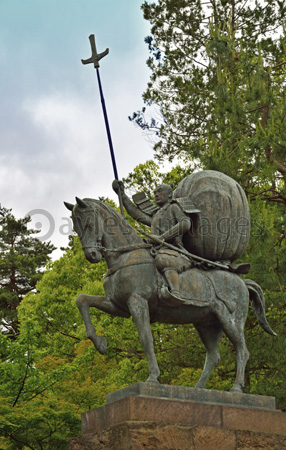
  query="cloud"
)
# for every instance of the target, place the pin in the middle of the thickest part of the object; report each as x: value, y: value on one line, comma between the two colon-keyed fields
x: 53, y: 142
x: 65, y: 153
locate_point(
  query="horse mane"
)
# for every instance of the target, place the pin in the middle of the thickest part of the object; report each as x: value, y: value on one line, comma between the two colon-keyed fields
x: 93, y: 202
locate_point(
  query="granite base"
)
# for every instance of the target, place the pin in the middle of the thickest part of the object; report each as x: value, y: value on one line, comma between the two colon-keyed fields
x: 137, y: 418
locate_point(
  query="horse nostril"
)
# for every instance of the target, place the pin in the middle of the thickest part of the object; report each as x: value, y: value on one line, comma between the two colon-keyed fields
x: 93, y: 255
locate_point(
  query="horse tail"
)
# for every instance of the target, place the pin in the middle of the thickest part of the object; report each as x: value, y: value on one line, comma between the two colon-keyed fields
x: 258, y: 303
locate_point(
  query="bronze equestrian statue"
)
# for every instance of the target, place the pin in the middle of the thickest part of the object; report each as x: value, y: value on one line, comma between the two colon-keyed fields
x: 169, y: 284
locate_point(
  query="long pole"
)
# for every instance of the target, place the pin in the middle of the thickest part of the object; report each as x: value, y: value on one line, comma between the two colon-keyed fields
x: 95, y: 57
x: 159, y: 241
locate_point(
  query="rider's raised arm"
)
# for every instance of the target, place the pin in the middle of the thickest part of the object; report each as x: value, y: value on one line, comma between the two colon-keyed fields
x: 134, y: 212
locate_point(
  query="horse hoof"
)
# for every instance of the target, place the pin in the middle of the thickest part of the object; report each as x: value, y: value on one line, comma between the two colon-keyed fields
x: 197, y: 386
x: 152, y: 380
x: 101, y: 344
x: 236, y: 390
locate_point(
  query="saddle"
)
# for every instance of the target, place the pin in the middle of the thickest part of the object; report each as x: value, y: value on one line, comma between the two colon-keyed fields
x: 195, y: 289
x: 201, y: 288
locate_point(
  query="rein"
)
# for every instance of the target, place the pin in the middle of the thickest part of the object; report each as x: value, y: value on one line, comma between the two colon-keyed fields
x: 125, y: 249
x: 128, y: 248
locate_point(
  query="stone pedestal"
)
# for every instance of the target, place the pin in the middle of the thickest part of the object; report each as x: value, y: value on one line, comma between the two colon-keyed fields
x: 155, y: 417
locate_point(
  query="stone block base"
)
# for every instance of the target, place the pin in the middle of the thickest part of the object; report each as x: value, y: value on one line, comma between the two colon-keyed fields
x: 154, y: 436
x: 147, y: 422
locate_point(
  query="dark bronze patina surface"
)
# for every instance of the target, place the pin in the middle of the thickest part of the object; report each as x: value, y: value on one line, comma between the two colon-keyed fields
x: 165, y: 283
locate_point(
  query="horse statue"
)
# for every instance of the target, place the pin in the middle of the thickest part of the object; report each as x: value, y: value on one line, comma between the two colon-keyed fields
x: 217, y: 300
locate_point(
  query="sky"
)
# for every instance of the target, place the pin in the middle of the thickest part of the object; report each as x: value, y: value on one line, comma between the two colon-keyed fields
x: 53, y: 143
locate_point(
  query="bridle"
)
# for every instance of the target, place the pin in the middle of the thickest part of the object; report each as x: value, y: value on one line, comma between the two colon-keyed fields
x: 124, y: 249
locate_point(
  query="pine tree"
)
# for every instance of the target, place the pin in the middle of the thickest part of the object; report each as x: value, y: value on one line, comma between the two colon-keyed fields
x: 23, y: 258
x: 218, y: 77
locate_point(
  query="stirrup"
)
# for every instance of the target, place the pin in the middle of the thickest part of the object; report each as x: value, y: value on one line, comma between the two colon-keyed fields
x: 172, y: 298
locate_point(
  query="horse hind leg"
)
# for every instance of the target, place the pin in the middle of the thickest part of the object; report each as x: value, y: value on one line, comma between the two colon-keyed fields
x: 210, y: 337
x: 139, y: 310
x: 234, y: 330
x: 84, y: 302
x: 242, y: 356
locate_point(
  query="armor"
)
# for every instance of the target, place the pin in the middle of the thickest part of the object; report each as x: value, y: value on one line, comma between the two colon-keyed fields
x: 169, y: 221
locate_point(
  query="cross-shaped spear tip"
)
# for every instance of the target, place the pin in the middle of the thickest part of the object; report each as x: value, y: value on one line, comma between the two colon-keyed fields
x: 95, y: 57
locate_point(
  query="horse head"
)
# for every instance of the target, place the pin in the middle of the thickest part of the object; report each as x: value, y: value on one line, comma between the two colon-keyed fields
x: 87, y: 224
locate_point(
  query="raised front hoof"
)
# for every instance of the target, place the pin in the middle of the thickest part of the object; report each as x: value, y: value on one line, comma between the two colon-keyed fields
x: 100, y: 344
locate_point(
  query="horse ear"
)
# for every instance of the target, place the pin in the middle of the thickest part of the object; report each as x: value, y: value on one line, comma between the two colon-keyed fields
x: 68, y: 206
x: 81, y: 203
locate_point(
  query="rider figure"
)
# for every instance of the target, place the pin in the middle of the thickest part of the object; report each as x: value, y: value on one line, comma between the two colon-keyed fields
x: 169, y: 223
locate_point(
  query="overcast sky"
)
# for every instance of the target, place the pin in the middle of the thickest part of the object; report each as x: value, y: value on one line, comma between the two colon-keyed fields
x: 52, y: 135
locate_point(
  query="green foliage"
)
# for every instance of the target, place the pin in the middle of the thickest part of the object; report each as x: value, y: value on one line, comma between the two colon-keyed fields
x: 50, y: 374
x: 266, y: 369
x: 218, y: 77
x: 23, y: 258
x: 146, y: 177
x: 219, y: 80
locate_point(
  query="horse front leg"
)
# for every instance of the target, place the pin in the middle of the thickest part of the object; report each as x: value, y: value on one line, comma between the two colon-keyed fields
x: 84, y: 302
x: 139, y: 310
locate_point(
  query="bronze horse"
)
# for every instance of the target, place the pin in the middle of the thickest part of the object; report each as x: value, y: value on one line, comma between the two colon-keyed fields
x: 131, y: 288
